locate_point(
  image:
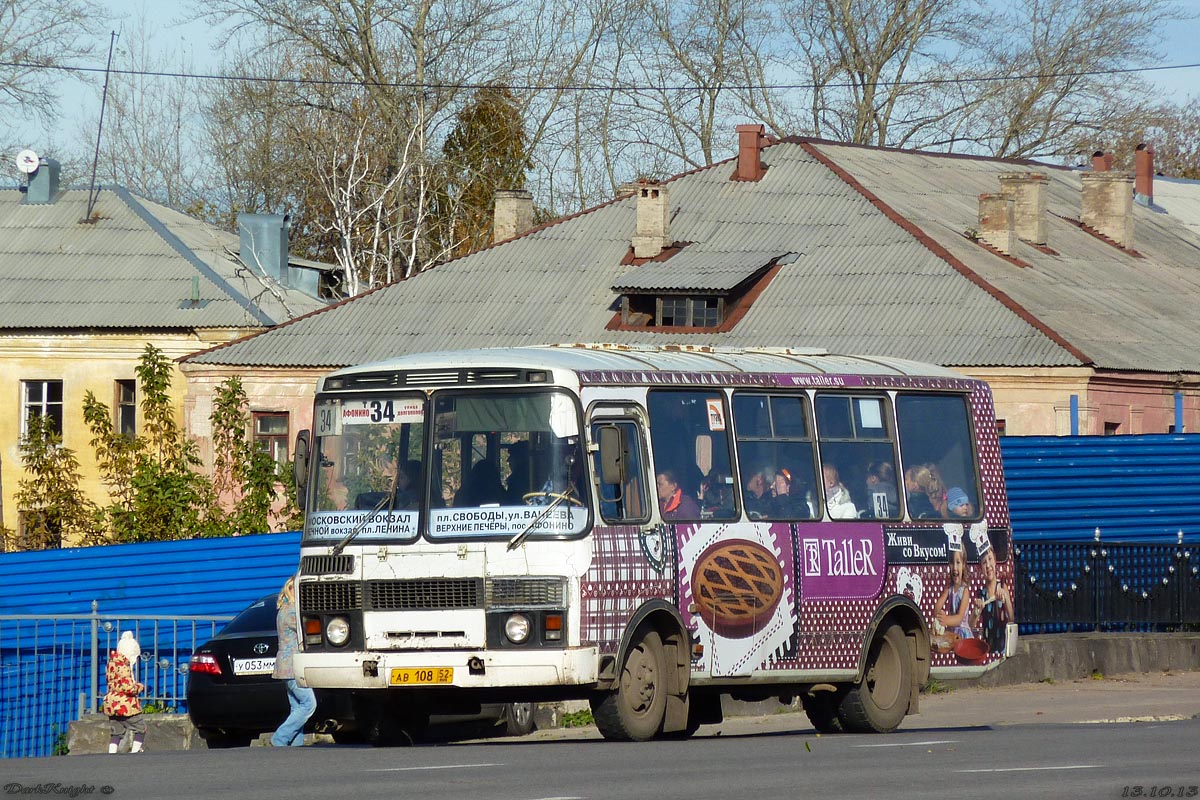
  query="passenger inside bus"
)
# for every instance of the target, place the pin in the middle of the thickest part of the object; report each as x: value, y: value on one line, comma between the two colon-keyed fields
x: 958, y: 504
x: 757, y: 495
x: 481, y: 487
x: 837, y: 498
x: 520, y: 476
x: 716, y: 496
x: 882, y: 494
x: 673, y: 502
x: 788, y: 501
x: 926, y: 492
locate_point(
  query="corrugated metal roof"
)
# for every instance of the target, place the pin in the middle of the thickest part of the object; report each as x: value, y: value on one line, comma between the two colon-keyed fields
x: 1180, y: 200
x: 698, y: 269
x: 1121, y: 311
x: 863, y: 285
x: 133, y: 266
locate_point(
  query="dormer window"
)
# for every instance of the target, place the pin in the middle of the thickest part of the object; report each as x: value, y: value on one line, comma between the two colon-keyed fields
x: 672, y: 311
x: 694, y: 290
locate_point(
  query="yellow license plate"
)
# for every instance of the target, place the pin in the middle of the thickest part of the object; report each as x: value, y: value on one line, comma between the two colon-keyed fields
x: 413, y: 676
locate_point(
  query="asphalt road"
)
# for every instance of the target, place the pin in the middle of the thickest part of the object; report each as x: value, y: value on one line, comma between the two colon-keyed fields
x: 1108, y: 760
x: 1033, y: 741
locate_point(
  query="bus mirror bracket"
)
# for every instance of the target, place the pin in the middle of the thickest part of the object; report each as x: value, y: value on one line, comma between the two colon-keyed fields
x: 613, y: 464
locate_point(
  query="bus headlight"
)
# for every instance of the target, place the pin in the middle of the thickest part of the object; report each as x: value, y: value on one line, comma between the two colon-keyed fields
x: 337, y: 631
x: 516, y: 628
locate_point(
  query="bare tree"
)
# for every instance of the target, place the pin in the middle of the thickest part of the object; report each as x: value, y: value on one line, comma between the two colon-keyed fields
x: 148, y: 140
x: 1061, y: 60
x: 35, y: 41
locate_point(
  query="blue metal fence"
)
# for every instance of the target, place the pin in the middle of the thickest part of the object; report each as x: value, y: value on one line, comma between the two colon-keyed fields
x: 52, y: 670
x: 1133, y: 488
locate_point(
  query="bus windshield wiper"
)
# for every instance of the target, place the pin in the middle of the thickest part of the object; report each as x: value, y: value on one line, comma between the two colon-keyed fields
x: 515, y: 541
x: 389, y: 500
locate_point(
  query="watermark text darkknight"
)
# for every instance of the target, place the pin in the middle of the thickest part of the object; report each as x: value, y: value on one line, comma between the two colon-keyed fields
x: 64, y: 789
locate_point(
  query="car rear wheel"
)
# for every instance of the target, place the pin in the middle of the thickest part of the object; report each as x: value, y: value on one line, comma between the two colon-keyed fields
x: 518, y: 719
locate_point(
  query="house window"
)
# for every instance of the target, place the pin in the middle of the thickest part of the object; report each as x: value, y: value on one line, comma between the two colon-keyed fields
x: 126, y: 404
x: 271, y: 435
x: 45, y: 398
x: 1001, y: 427
x: 673, y: 311
x: 1112, y: 428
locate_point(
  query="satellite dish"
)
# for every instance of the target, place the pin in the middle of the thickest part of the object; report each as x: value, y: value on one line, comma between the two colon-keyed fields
x: 28, y: 161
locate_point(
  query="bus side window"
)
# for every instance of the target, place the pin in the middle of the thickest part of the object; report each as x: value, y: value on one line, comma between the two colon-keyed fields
x: 689, y: 438
x: 620, y: 471
x: 935, y: 438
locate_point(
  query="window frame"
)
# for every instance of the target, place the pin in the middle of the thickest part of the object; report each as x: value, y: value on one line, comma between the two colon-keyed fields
x: 809, y: 439
x: 891, y: 437
x: 125, y: 410
x: 272, y: 440
x: 43, y: 405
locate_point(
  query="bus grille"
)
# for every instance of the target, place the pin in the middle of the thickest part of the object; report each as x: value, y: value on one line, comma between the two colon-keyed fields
x: 330, y: 596
x: 524, y: 592
x: 327, y: 565
x: 425, y: 594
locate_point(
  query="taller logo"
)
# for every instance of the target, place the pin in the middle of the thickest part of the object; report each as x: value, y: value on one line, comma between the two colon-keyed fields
x: 836, y: 559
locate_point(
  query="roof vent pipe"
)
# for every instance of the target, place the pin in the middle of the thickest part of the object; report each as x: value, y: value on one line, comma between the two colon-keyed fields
x: 1028, y: 193
x: 751, y: 139
x: 1143, y: 170
x: 263, y: 245
x: 1108, y: 205
x: 652, y: 234
x: 513, y: 213
x: 996, y: 222
x: 43, y: 183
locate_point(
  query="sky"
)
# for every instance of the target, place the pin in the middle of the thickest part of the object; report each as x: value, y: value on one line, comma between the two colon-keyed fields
x: 175, y: 40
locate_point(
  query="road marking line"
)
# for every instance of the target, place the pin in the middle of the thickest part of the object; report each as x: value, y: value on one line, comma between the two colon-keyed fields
x: 444, y: 766
x: 1033, y: 769
x: 909, y: 744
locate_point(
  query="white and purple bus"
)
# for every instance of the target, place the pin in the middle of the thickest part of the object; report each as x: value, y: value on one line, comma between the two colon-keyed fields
x: 649, y: 529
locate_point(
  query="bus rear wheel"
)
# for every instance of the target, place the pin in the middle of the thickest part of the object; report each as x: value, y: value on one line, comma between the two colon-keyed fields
x: 634, y: 711
x: 878, y: 703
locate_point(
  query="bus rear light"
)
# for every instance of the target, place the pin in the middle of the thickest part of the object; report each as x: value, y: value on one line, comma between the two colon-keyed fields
x: 554, y: 623
x: 202, y: 662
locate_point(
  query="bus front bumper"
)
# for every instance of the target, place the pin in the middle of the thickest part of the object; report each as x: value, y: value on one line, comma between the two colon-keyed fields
x: 470, y: 669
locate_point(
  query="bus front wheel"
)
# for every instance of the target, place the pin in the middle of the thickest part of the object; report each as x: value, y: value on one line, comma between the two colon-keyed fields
x: 634, y: 710
x: 878, y: 702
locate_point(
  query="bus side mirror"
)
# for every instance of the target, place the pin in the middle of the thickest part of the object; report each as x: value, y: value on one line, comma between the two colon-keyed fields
x: 300, y: 468
x: 613, y: 464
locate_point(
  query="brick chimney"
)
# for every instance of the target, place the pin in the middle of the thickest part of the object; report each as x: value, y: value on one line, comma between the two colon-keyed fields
x: 1143, y: 170
x: 996, y: 222
x: 1108, y: 205
x: 1028, y: 193
x: 1101, y: 161
x: 513, y: 213
x: 751, y: 139
x: 653, y: 234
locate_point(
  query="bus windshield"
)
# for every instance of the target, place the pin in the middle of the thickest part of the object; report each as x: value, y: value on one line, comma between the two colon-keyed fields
x: 507, y: 464
x: 368, y: 477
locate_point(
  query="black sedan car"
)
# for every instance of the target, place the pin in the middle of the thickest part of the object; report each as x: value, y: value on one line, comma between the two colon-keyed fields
x: 232, y: 697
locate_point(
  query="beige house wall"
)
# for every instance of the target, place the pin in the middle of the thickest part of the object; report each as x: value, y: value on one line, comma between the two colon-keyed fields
x: 1037, y: 402
x: 83, y: 362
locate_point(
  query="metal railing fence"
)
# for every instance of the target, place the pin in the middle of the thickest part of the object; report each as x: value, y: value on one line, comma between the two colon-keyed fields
x: 1107, y: 586
x: 52, y: 670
